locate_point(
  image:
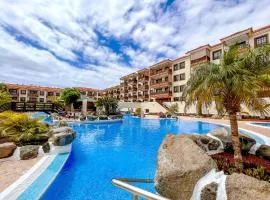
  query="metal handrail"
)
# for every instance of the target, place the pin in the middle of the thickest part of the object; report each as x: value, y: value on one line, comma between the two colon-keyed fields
x: 136, y: 192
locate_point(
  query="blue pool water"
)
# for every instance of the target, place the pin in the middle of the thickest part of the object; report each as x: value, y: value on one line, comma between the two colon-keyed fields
x: 264, y: 124
x: 106, y: 151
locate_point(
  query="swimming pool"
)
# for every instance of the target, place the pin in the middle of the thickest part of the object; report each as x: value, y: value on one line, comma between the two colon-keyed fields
x: 106, y: 151
x: 262, y: 124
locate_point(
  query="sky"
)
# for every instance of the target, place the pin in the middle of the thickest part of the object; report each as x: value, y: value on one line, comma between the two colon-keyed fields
x: 92, y: 43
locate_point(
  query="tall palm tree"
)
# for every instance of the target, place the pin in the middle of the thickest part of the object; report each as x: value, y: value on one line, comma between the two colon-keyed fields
x: 235, y: 82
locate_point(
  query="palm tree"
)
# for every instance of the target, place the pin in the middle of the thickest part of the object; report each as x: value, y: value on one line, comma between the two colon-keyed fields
x: 109, y: 104
x: 235, y: 82
x: 70, y: 96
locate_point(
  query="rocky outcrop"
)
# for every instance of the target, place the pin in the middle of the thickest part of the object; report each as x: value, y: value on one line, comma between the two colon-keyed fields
x: 264, y: 152
x: 246, y: 143
x: 209, y: 192
x: 181, y: 163
x: 224, y: 136
x: 28, y: 152
x: 46, y: 147
x: 206, y: 143
x: 7, y: 149
x: 62, y: 136
x: 240, y: 186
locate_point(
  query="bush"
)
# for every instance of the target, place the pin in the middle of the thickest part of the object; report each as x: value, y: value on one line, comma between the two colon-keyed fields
x: 138, y: 112
x: 22, y: 129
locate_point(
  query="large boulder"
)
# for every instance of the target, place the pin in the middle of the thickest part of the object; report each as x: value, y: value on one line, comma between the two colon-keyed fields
x: 181, y: 163
x: 7, y: 149
x: 264, y: 152
x: 209, y: 192
x: 240, y: 186
x: 63, y: 136
x: 28, y: 152
x: 205, y: 142
x: 224, y: 136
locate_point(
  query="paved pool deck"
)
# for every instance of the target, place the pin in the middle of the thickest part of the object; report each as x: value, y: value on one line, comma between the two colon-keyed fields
x: 11, y: 170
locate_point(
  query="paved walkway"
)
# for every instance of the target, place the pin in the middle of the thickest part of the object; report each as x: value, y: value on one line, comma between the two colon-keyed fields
x: 241, y: 124
x: 11, y: 170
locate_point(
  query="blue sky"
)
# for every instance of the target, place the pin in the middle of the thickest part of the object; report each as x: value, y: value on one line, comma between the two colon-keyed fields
x: 93, y: 43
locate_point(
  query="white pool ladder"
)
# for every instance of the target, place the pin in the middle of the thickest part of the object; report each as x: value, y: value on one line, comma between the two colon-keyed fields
x: 135, y: 191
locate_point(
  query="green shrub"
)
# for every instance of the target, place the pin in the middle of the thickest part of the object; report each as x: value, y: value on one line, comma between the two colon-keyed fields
x: 138, y: 112
x: 21, y: 128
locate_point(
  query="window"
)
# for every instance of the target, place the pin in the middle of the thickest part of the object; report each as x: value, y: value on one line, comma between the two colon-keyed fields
x: 33, y: 92
x: 178, y: 66
x: 41, y: 93
x: 32, y: 99
x: 176, y: 89
x: 182, y: 76
x: 22, y: 99
x: 57, y: 94
x: 217, y: 54
x: 41, y: 100
x: 176, y: 99
x: 182, y: 88
x: 83, y: 93
x: 176, y: 77
x: 182, y: 65
x: 261, y: 40
x: 175, y: 67
x: 14, y: 98
x: 12, y: 91
x: 50, y: 93
x: 23, y: 91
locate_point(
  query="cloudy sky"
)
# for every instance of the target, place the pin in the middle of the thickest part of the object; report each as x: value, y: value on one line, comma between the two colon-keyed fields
x: 92, y: 43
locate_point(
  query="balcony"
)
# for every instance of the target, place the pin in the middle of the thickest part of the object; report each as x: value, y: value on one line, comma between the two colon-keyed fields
x: 161, y: 84
x: 202, y: 60
x: 161, y: 95
x: 157, y: 73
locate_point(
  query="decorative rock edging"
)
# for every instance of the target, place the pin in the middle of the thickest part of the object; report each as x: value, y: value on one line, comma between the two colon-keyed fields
x: 175, y: 171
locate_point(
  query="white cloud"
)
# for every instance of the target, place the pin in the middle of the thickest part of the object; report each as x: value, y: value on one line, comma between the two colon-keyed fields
x: 65, y: 27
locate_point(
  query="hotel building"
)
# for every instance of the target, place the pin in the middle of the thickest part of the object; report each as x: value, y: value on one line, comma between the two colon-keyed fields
x: 39, y: 94
x: 168, y: 78
x: 112, y: 92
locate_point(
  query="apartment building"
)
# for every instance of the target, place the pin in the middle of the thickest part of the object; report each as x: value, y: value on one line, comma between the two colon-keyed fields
x: 39, y: 94
x: 143, y: 85
x: 30, y: 93
x: 168, y: 78
x: 161, y: 81
x: 112, y: 92
x: 91, y: 93
x: 129, y: 87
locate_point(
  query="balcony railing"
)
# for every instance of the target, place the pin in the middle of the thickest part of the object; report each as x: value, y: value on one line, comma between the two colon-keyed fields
x: 161, y: 72
x: 201, y: 60
x: 161, y: 84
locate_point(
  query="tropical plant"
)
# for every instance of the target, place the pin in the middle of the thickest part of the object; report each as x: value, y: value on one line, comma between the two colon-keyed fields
x: 56, y: 100
x: 173, y: 109
x: 109, y: 104
x: 70, y: 96
x: 20, y: 128
x: 4, y: 95
x: 138, y: 112
x: 236, y: 81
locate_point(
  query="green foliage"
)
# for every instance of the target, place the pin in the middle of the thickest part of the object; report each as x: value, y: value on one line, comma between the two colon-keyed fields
x: 70, y: 95
x: 4, y: 95
x: 236, y: 81
x: 109, y: 104
x: 258, y: 172
x: 21, y: 128
x: 56, y: 100
x: 173, y: 109
x: 138, y: 112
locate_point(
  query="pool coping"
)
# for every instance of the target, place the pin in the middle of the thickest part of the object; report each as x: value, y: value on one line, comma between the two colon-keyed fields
x: 21, y: 185
x: 252, y: 124
x: 263, y: 137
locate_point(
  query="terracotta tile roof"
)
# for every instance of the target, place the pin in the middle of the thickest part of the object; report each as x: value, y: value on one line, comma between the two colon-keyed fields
x: 200, y: 47
x: 262, y: 28
x: 248, y: 29
x: 182, y: 57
